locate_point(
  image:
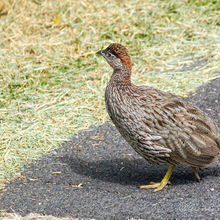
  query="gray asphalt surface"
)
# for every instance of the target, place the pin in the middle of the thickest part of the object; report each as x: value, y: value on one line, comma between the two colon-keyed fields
x: 97, y: 175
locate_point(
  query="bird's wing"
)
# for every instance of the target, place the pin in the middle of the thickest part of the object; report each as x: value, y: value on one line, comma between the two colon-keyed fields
x: 189, y: 133
x: 195, y: 137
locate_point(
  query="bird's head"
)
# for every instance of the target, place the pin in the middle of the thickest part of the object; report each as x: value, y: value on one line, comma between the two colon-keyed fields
x: 117, y: 56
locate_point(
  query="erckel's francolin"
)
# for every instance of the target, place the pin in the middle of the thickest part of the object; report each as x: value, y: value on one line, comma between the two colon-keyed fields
x: 163, y: 128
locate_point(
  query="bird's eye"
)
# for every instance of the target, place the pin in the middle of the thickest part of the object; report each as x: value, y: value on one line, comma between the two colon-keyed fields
x: 109, y: 55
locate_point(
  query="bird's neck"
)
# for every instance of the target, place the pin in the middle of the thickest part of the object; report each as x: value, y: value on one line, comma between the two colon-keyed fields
x: 121, y: 76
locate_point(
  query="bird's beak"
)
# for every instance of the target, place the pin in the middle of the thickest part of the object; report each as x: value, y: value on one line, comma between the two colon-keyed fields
x: 100, y: 52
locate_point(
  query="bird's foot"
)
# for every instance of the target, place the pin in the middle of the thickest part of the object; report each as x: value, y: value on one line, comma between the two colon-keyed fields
x: 163, y: 183
x: 156, y: 186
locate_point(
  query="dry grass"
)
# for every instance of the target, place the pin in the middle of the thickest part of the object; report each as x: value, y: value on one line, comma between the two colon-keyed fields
x: 52, y: 83
x: 32, y: 216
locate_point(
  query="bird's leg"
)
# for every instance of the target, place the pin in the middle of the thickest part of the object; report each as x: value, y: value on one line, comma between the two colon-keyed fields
x: 196, y: 173
x: 163, y: 183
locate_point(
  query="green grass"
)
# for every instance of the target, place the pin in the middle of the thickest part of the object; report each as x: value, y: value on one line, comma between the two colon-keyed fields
x: 52, y: 83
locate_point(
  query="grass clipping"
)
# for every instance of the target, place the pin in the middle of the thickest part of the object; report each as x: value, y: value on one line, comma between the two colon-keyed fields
x: 32, y: 216
x: 52, y: 84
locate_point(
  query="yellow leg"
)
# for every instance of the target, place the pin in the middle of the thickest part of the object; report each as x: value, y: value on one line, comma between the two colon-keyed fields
x: 163, y: 183
x: 196, y: 173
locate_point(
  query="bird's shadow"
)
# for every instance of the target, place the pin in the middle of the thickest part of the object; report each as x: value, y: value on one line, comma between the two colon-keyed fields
x: 134, y: 172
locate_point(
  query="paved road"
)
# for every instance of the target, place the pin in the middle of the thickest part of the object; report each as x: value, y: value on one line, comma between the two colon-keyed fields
x: 96, y: 175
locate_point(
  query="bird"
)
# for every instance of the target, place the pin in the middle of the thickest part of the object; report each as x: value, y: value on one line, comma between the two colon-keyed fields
x: 162, y: 127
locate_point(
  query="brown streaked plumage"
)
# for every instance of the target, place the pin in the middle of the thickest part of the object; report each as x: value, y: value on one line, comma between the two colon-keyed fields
x: 163, y: 128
